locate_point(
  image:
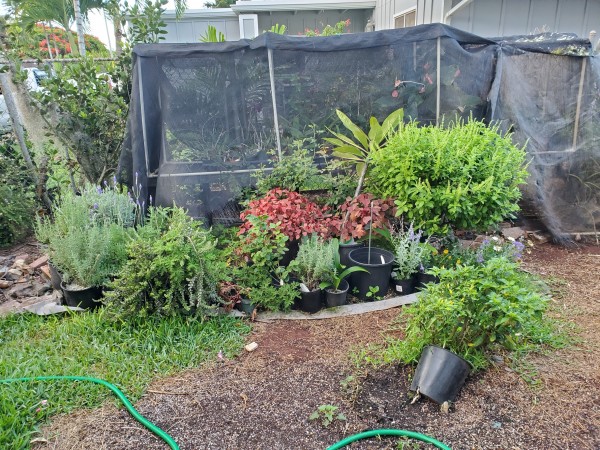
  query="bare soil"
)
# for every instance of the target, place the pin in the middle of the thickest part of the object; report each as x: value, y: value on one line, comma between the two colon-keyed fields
x: 262, y: 400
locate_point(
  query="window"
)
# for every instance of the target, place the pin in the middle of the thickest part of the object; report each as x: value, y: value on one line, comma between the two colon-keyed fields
x: 406, y: 19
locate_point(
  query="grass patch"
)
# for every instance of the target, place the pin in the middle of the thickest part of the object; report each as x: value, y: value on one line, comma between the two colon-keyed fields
x: 127, y: 354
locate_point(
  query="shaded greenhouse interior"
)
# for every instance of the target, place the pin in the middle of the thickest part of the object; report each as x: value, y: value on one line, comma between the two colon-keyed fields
x: 203, y: 117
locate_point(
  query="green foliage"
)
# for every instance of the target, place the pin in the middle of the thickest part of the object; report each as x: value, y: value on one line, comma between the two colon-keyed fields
x: 90, y: 116
x: 17, y: 196
x: 315, y: 261
x: 339, y: 28
x: 173, y: 268
x: 409, y: 252
x: 128, y: 354
x: 220, y: 3
x: 327, y: 414
x: 338, y: 270
x: 263, y: 244
x: 211, y: 35
x: 263, y: 291
x: 466, y: 176
x: 294, y: 172
x: 87, y: 240
x: 279, y: 29
x: 147, y: 25
x: 473, y: 308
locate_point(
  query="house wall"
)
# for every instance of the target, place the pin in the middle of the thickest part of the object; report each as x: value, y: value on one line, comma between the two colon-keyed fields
x: 509, y: 17
x: 297, y: 22
x: 190, y: 28
x: 386, y: 10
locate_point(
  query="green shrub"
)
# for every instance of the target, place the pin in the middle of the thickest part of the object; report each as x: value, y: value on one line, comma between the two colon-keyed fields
x: 315, y: 261
x: 173, y: 269
x: 466, y: 176
x: 17, y: 197
x: 473, y: 308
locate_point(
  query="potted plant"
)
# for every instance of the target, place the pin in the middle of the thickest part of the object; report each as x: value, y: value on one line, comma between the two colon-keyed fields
x: 408, y: 255
x: 336, y: 287
x: 87, y: 240
x: 315, y: 261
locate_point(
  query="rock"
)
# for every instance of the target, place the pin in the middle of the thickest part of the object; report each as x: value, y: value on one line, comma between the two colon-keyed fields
x: 251, y: 347
x: 4, y: 284
x: 21, y: 290
x: 513, y: 232
x: 13, y: 274
x: 497, y: 359
x: 23, y: 256
x: 42, y: 260
x: 541, y: 238
x: 45, y: 272
x: 41, y: 288
x: 19, y: 264
x: 11, y: 306
x: 468, y: 244
x: 445, y: 407
x: 3, y: 271
x: 578, y: 237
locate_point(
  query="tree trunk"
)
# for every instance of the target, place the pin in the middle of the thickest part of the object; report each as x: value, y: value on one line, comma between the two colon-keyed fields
x: 79, y: 24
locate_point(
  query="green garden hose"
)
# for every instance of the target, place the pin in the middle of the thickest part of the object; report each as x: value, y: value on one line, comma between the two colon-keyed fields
x: 136, y: 415
x: 385, y: 432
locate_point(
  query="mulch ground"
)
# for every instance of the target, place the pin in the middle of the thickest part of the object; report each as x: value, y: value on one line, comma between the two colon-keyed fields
x: 262, y: 400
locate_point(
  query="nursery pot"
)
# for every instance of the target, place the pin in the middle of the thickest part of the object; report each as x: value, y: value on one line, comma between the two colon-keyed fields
x: 404, y: 286
x: 247, y: 306
x: 379, y: 267
x: 290, y: 254
x: 83, y: 298
x: 345, y: 250
x: 55, y: 277
x: 312, y: 301
x: 337, y: 298
x: 440, y: 374
x: 424, y: 278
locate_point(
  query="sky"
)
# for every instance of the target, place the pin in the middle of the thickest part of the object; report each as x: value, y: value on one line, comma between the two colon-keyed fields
x: 97, y: 25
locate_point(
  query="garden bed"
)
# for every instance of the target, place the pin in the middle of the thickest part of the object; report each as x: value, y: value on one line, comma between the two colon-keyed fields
x: 263, y: 399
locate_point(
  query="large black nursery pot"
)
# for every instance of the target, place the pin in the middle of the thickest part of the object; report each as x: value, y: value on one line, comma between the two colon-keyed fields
x: 425, y: 278
x: 87, y: 298
x: 403, y: 286
x: 379, y: 266
x: 246, y: 306
x: 345, y: 249
x: 312, y: 301
x: 337, y: 298
x: 290, y: 254
x: 440, y: 374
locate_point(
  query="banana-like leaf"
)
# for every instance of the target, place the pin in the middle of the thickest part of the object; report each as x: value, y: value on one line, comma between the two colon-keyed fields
x: 345, y: 139
x: 348, y: 150
x: 348, y: 157
x: 392, y: 121
x: 376, y: 132
x: 356, y: 131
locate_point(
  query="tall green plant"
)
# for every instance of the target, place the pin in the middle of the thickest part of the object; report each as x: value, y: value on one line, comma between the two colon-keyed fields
x: 358, y: 150
x: 212, y: 35
x: 315, y: 261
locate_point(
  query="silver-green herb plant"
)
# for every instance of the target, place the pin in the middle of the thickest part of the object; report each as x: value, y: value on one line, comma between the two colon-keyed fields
x: 409, y: 251
x: 315, y: 261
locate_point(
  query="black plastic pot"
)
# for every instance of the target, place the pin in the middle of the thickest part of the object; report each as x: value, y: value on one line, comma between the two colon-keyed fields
x: 247, y: 306
x: 345, y: 250
x: 378, y: 275
x: 55, y: 277
x: 424, y: 278
x: 312, y: 301
x: 290, y: 254
x: 403, y: 287
x: 83, y: 298
x: 440, y: 374
x: 333, y: 298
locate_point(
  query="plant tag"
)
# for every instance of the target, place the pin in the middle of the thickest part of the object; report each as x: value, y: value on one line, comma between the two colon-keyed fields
x: 303, y: 288
x: 398, y: 288
x: 382, y: 259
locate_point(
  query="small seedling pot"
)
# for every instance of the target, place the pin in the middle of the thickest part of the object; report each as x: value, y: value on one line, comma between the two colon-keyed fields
x: 312, y: 301
x: 379, y: 267
x: 337, y: 298
x: 345, y: 250
x: 87, y: 298
x: 247, y: 306
x: 403, y: 287
x: 440, y: 374
x: 424, y: 278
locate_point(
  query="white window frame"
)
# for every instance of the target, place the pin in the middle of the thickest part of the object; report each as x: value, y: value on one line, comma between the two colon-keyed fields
x: 243, y: 17
x: 405, y: 12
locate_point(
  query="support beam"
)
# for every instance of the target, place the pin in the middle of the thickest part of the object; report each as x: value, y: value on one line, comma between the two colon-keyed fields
x: 274, y: 100
x: 458, y: 7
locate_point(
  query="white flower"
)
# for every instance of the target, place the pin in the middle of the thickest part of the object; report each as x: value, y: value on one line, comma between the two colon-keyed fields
x: 511, y: 239
x: 494, y: 238
x: 497, y: 248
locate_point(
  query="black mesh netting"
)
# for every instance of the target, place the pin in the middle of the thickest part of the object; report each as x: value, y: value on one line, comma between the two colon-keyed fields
x: 203, y: 117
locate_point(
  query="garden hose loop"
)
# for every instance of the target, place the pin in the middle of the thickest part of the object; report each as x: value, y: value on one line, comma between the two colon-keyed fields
x: 389, y: 432
x: 134, y: 413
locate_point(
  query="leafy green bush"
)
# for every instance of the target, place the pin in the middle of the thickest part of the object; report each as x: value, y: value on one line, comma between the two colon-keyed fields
x: 17, y: 196
x: 173, y: 269
x: 466, y: 176
x: 473, y: 308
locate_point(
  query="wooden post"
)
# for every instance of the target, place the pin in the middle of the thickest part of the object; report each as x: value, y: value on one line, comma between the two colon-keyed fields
x: 579, y: 98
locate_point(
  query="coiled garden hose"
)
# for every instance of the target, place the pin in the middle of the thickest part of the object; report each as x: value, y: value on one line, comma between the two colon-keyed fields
x: 136, y: 415
x: 387, y: 432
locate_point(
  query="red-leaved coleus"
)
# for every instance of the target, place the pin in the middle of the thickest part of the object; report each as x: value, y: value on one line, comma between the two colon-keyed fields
x: 359, y: 215
x: 296, y: 215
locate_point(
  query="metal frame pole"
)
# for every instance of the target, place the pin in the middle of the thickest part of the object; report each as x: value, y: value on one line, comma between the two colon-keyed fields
x: 274, y: 100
